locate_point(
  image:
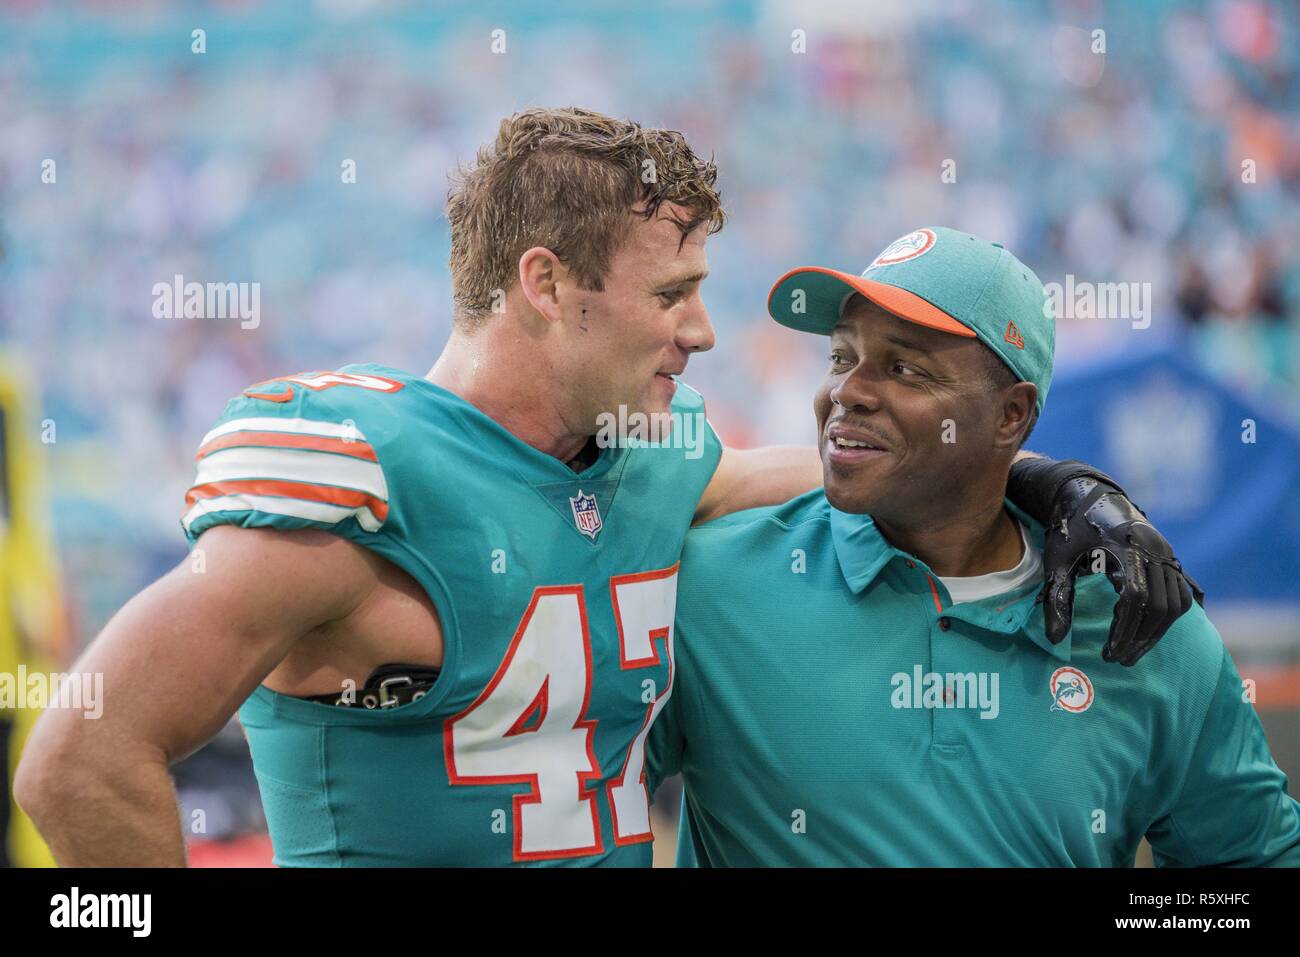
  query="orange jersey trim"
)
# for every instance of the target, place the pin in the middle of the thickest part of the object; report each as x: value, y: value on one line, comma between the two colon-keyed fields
x: 291, y: 440
x: 327, y: 494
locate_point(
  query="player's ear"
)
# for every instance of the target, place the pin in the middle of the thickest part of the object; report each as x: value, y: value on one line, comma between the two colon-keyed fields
x: 1017, y: 411
x: 539, y: 273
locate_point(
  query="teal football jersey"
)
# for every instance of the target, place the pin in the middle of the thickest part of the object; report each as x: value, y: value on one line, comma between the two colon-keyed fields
x: 556, y: 592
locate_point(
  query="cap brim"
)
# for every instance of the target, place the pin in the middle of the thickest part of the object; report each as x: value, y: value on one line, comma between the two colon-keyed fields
x: 826, y: 290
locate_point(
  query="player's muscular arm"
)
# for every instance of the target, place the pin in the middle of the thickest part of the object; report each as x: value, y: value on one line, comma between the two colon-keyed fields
x: 750, y: 478
x: 177, y: 662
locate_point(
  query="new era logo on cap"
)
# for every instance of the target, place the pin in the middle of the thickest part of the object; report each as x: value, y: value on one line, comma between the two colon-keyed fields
x: 1013, y: 336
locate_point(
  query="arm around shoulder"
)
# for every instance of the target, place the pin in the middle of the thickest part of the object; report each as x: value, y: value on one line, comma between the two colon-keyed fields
x: 753, y: 478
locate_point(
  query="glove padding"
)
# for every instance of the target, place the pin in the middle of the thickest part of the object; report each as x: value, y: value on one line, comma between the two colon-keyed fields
x: 1091, y: 519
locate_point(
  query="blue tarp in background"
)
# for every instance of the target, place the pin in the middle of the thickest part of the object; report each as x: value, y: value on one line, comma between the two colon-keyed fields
x: 1174, y: 437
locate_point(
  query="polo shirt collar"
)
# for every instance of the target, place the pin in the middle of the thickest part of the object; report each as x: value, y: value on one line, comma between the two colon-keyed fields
x: 862, y: 552
x: 861, y: 549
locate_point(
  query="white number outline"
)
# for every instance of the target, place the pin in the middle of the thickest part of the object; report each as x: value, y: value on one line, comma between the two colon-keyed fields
x: 539, y: 706
x: 652, y: 660
x: 533, y: 796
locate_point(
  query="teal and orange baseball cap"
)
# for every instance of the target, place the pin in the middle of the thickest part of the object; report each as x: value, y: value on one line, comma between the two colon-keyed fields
x: 941, y: 278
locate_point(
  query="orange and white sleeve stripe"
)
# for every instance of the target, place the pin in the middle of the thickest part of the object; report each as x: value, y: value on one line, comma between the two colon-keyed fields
x: 299, y: 468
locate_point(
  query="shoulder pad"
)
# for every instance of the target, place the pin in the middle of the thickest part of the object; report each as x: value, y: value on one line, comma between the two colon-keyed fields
x: 282, y: 455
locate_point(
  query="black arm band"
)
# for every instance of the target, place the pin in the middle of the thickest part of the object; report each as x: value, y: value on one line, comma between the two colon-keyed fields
x: 1036, y: 483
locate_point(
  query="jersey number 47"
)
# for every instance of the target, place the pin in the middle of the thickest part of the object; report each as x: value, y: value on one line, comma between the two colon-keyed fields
x: 530, y: 724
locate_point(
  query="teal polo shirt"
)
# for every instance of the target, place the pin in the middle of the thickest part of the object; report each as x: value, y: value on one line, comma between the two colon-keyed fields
x: 832, y: 706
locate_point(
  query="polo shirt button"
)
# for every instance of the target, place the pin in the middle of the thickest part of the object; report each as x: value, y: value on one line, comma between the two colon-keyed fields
x: 944, y: 624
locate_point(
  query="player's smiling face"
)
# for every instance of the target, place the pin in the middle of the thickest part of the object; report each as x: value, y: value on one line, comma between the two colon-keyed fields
x: 628, y: 342
x: 904, y: 416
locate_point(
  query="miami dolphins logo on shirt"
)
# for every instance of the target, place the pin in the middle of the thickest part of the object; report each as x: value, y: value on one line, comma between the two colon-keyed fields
x: 587, y: 514
x: 1071, y: 690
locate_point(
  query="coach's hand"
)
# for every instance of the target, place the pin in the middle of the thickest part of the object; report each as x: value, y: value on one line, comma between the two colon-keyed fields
x: 1094, y: 522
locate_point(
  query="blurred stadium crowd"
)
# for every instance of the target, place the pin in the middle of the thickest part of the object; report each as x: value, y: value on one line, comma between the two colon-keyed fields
x: 225, y: 166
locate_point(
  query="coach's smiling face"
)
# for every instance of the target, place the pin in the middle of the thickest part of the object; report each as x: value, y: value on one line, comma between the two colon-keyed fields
x: 909, y: 419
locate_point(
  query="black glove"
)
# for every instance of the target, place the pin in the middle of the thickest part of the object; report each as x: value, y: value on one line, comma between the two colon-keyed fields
x: 1087, y: 516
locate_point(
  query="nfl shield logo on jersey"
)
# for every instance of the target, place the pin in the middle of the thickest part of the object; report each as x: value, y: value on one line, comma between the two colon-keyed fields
x: 587, y: 514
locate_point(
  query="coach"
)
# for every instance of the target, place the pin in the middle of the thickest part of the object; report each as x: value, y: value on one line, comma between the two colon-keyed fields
x: 863, y: 673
